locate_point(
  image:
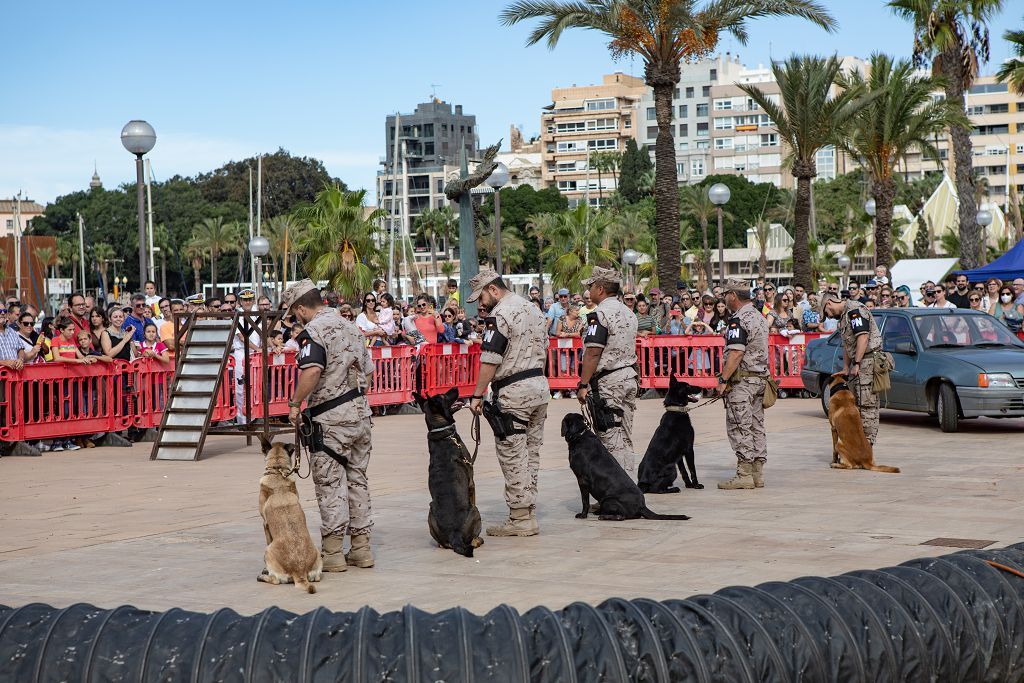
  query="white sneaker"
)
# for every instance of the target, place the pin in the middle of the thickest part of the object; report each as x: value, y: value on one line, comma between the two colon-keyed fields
x: 43, y: 446
x: 57, y: 446
x: 558, y: 394
x: 71, y: 446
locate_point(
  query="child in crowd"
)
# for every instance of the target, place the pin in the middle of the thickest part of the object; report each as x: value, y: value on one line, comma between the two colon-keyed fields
x: 277, y: 348
x: 85, y: 347
x: 151, y: 347
x: 293, y: 341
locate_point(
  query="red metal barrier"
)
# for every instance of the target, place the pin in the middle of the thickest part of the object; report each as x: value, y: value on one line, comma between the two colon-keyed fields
x: 443, y: 366
x: 565, y: 356
x: 695, y: 358
x: 393, y: 375
x: 56, y: 400
x: 282, y: 375
x: 786, y: 357
x: 150, y: 385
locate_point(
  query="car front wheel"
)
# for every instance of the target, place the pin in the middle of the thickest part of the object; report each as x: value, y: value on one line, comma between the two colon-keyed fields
x: 826, y: 394
x: 946, y: 407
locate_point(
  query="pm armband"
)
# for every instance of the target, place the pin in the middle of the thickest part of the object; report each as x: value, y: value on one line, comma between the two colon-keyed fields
x: 494, y: 341
x: 734, y: 333
x: 596, y: 332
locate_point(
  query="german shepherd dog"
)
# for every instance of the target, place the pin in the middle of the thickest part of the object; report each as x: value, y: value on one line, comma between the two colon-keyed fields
x: 453, y: 520
x: 291, y: 555
x: 851, y: 450
x: 600, y: 476
x: 671, y: 446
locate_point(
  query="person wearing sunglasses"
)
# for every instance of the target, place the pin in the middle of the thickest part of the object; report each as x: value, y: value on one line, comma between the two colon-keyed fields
x: 137, y: 319
x: 901, y: 296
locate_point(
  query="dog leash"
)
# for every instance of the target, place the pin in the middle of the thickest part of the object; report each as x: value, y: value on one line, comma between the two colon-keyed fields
x: 299, y: 434
x: 474, y: 433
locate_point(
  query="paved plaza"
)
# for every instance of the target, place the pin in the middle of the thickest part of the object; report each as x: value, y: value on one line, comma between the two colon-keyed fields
x: 110, y: 527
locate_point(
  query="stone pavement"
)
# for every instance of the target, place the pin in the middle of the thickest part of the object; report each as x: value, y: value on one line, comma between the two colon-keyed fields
x: 110, y: 527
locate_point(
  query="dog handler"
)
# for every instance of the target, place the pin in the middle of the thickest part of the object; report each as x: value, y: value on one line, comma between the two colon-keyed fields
x: 609, y: 365
x: 861, y: 339
x: 742, y: 381
x: 512, y: 357
x: 334, y: 371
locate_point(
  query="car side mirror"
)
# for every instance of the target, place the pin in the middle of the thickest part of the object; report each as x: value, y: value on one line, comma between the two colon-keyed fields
x: 905, y: 348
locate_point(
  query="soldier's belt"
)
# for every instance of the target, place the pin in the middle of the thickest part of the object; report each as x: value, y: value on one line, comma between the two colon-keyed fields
x: 604, y: 373
x: 498, y: 385
x: 743, y: 374
x: 321, y: 408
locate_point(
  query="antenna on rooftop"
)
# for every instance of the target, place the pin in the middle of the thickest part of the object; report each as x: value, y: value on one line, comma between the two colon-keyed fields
x: 433, y: 90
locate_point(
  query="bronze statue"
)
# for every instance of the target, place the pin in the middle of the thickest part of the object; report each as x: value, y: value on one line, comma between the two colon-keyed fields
x: 454, y: 189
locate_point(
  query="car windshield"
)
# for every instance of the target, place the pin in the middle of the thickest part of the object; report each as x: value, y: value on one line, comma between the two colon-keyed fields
x: 937, y: 331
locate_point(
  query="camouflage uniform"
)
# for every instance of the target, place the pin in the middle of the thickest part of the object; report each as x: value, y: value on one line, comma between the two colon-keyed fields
x: 519, y: 327
x: 336, y: 346
x: 856, y: 320
x: 612, y: 327
x: 747, y: 331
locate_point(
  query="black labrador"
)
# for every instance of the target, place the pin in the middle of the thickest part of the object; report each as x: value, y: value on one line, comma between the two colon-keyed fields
x: 600, y: 476
x: 453, y: 520
x: 671, y: 446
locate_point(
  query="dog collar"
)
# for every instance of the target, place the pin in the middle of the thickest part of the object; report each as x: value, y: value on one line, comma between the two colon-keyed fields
x: 283, y: 472
x: 575, y: 437
x: 677, y: 409
x: 438, y: 432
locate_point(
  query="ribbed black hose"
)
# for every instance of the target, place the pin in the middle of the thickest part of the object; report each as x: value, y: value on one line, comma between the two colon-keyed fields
x: 952, y: 618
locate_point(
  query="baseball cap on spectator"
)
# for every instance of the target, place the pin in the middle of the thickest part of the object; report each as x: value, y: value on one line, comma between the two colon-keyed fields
x: 656, y: 292
x: 870, y: 284
x: 563, y: 292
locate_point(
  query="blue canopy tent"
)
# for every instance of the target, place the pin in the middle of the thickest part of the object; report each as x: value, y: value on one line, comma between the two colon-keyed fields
x: 1007, y: 267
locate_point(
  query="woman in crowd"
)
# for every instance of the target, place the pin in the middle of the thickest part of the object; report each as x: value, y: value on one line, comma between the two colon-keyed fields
x: 345, y: 311
x: 36, y: 344
x: 646, y: 325
x: 780, y: 315
x: 769, y: 299
x: 992, y: 286
x: 570, y: 324
x: 449, y: 334
x: 975, y: 300
x: 1005, y: 310
x: 115, y: 342
x: 629, y: 300
x: 706, y: 310
x: 677, y: 323
x: 720, y: 319
x: 368, y: 322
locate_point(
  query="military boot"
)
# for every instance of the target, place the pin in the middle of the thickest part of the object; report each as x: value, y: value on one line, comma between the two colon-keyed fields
x: 520, y: 522
x: 334, y: 553
x: 360, y: 555
x: 744, y: 478
x: 758, y: 474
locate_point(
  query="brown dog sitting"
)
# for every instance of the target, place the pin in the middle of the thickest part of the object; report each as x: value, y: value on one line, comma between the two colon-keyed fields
x: 851, y: 450
x: 291, y: 555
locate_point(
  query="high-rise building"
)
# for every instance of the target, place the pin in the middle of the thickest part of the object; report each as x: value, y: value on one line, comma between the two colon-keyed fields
x: 691, y: 115
x: 580, y: 121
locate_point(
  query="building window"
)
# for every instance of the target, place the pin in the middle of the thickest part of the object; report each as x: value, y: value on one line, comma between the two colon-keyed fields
x: 684, y: 130
x: 571, y: 127
x: 627, y: 122
x: 428, y: 149
x: 703, y: 144
x: 1020, y: 149
x: 689, y: 93
x: 567, y: 185
x: 651, y: 114
x: 683, y: 111
x: 705, y: 91
x: 769, y: 140
x: 702, y: 110
x: 702, y: 130
x: 985, y: 88
x: 723, y: 143
x: 428, y: 130
x: 602, y: 124
x: 440, y: 185
x: 825, y: 160
x: 571, y: 146
x: 714, y: 75
x: 600, y: 105
x: 652, y: 132
x: 604, y: 143
x: 723, y: 123
x: 10, y: 224
x: 723, y: 104
x: 697, y: 168
x: 684, y: 145
x: 675, y: 94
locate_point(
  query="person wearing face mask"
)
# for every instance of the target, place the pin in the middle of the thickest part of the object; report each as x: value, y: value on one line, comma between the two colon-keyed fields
x: 860, y: 339
x: 959, y: 295
x: 1011, y: 314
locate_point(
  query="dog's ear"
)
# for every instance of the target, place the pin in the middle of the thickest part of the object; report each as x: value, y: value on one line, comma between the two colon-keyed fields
x: 265, y: 444
x: 420, y: 399
x: 290, y: 448
x: 452, y: 395
x: 672, y: 381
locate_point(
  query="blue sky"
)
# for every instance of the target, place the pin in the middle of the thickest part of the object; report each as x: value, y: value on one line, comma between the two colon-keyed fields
x: 222, y: 80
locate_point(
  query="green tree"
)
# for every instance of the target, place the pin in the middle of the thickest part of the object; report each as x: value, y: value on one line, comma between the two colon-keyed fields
x: 922, y: 245
x: 900, y: 117
x: 217, y: 238
x: 162, y: 241
x: 662, y: 33
x: 196, y: 254
x: 953, y: 34
x: 748, y: 203
x: 436, y: 226
x: 809, y: 117
x: 102, y: 255
x: 695, y: 205
x: 338, y: 242
x: 1012, y: 70
x: 67, y: 255
x: 574, y: 246
x: 512, y: 246
x: 635, y: 163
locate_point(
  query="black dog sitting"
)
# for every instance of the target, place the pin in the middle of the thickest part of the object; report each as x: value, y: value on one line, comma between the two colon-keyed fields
x: 671, y: 446
x: 600, y: 476
x: 453, y: 520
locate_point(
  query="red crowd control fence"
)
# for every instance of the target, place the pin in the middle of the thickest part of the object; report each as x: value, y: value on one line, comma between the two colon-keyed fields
x: 786, y: 357
x: 282, y: 374
x: 565, y: 356
x: 393, y: 375
x: 47, y: 400
x: 697, y: 359
x: 150, y: 384
x: 447, y: 365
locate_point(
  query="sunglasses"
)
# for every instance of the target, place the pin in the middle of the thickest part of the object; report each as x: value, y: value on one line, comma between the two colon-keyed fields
x: 3, y: 310
x: 26, y: 323
x: 833, y: 289
x: 421, y: 305
x: 975, y: 298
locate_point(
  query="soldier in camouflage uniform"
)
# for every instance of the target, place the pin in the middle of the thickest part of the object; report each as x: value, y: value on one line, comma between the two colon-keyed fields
x: 335, y: 369
x: 861, y: 338
x: 742, y: 381
x: 512, y: 358
x: 609, y: 362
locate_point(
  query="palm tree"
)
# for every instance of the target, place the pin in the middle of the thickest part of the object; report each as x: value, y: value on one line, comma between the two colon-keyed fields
x: 102, y: 255
x: 662, y: 33
x: 696, y: 205
x: 67, y: 255
x: 435, y: 226
x: 196, y: 255
x: 216, y: 237
x: 44, y: 255
x: 339, y: 240
x: 1012, y: 70
x: 512, y: 246
x: 162, y: 240
x: 542, y: 225
x: 283, y: 232
x: 901, y: 116
x: 762, y: 233
x: 950, y: 242
x: 807, y: 120
x: 574, y: 246
x: 954, y: 35
x: 629, y: 229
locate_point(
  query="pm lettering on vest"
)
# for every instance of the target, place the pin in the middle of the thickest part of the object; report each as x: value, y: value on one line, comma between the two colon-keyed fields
x: 857, y: 323
x: 735, y: 334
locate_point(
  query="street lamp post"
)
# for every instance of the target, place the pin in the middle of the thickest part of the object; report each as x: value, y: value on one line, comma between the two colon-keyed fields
x: 259, y: 247
x: 984, y: 219
x: 629, y: 258
x: 719, y: 195
x: 138, y: 137
x: 870, y: 207
x: 844, y: 264
x: 497, y: 180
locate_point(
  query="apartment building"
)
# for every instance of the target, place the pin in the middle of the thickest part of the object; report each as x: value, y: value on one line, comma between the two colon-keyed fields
x: 691, y: 115
x: 997, y: 115
x: 11, y: 211
x: 580, y: 121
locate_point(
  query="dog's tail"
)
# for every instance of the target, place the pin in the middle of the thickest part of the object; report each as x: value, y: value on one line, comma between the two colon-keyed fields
x: 885, y: 468
x: 460, y: 546
x: 302, y: 581
x: 647, y: 513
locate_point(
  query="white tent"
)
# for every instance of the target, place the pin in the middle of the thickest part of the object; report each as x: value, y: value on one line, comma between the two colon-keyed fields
x: 912, y: 272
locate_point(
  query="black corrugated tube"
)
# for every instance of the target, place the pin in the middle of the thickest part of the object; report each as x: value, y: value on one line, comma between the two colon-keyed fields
x: 952, y: 618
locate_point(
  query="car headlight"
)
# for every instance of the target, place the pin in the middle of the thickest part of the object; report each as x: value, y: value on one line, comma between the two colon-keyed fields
x: 996, y: 380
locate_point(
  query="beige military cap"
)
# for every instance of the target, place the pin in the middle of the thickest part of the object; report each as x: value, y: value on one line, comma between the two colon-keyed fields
x: 828, y: 297
x: 479, y: 281
x: 736, y: 285
x: 290, y: 295
x: 600, y: 274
